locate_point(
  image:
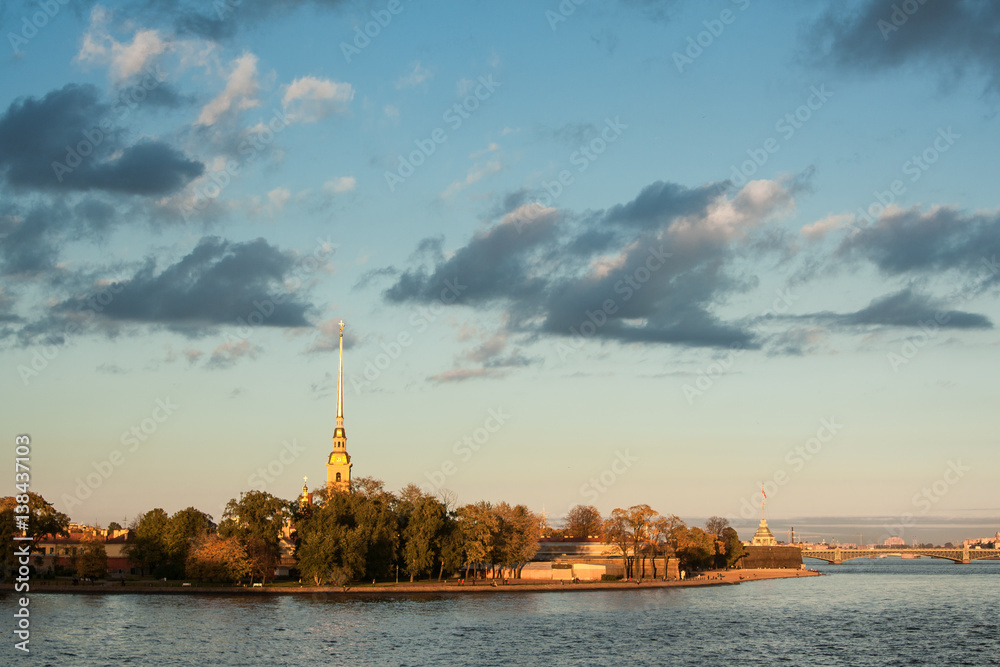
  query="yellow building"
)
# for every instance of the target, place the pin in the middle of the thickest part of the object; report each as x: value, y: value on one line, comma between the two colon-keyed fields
x: 338, y: 465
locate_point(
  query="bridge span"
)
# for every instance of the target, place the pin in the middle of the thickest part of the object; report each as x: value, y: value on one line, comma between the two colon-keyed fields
x: 837, y: 555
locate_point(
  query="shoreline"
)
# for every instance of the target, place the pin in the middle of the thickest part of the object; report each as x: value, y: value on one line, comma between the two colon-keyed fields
x: 724, y: 578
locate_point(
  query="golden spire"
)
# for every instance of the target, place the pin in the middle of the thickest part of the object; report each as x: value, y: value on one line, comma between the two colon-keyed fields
x: 340, y: 387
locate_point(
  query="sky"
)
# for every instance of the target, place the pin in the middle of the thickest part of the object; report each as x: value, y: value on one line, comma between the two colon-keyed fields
x: 609, y: 253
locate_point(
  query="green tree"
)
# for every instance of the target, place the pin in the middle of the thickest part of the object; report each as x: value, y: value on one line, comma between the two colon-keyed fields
x: 91, y: 560
x: 43, y: 520
x: 256, y: 520
x: 421, y: 533
x: 148, y: 548
x: 584, y: 521
x: 183, y: 528
x: 113, y: 526
x: 734, y: 549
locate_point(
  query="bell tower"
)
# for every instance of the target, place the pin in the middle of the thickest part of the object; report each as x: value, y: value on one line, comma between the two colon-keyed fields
x: 338, y: 466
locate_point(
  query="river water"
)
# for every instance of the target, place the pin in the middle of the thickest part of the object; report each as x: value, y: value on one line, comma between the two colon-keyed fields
x: 867, y: 612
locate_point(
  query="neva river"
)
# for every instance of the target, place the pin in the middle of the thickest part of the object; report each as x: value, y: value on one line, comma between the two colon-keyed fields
x: 867, y: 612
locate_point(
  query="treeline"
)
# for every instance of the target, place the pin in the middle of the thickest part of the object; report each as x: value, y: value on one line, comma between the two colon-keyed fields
x: 371, y: 533
x: 639, y: 533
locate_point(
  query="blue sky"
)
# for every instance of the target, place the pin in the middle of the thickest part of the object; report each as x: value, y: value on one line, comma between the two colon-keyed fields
x: 622, y: 252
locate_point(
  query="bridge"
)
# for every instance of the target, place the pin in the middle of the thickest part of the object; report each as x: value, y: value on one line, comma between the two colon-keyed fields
x: 836, y: 555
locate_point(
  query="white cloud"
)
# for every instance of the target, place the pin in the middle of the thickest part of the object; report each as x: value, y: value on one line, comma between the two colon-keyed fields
x: 821, y: 228
x: 416, y: 76
x: 391, y: 111
x: 278, y: 198
x: 309, y: 99
x: 474, y: 175
x: 340, y: 185
x: 125, y: 60
x: 240, y: 91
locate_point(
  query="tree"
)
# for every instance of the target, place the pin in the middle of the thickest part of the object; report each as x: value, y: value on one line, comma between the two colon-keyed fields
x: 734, y: 549
x: 113, y: 526
x: 616, y: 534
x: 515, y: 540
x: 91, y: 560
x: 478, y: 525
x: 256, y: 520
x: 584, y: 521
x: 181, y: 530
x: 694, y: 547
x: 715, y: 525
x: 43, y: 519
x: 421, y: 533
x: 148, y: 548
x: 351, y: 535
x: 212, y: 558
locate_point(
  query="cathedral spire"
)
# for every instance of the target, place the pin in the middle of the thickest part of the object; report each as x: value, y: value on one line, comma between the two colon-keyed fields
x: 340, y: 386
x: 338, y: 465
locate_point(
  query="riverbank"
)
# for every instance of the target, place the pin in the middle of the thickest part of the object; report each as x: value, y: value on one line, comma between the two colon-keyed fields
x: 722, y: 578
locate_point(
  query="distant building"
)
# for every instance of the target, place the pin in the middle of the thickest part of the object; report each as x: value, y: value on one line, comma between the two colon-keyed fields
x: 763, y: 537
x: 895, y: 542
x: 52, y: 552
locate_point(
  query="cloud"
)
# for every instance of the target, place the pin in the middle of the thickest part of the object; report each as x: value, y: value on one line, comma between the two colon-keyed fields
x: 67, y: 141
x: 652, y: 270
x: 341, y: 185
x: 232, y: 352
x: 239, y: 94
x: 474, y: 175
x: 219, y: 282
x: 416, y: 76
x: 821, y: 228
x: 310, y: 99
x: 462, y: 374
x: 125, y: 60
x: 914, y: 241
x: 908, y: 308
x: 881, y: 35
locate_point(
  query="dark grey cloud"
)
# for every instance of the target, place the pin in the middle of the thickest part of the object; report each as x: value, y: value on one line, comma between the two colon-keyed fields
x: 666, y: 265
x: 31, y: 239
x: 923, y: 242
x: 68, y: 141
x: 219, y: 282
x: 880, y: 34
x: 908, y: 308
